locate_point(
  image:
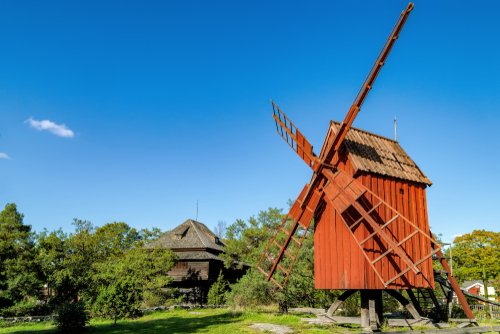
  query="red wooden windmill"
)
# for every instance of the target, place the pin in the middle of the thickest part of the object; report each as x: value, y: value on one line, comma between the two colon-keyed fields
x: 368, y: 203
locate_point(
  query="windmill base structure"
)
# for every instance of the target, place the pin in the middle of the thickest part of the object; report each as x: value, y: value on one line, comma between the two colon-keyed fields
x: 366, y: 205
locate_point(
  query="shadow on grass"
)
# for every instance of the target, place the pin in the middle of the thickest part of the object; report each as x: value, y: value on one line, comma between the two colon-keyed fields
x: 171, y: 325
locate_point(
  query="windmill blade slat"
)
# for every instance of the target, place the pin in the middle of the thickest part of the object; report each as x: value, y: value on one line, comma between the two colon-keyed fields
x: 294, y: 232
x: 293, y: 137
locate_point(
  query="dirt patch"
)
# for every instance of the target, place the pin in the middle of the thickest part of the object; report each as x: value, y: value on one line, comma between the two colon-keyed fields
x: 271, y: 328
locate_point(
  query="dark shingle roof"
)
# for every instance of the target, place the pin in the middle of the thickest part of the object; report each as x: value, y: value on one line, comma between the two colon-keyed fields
x: 190, y: 234
x: 372, y: 153
x: 197, y: 255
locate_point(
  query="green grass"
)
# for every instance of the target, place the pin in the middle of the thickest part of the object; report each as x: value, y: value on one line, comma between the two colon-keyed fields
x: 220, y: 321
x: 216, y: 321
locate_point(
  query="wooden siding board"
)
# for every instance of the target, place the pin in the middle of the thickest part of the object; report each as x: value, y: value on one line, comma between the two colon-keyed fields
x: 427, y: 228
x: 340, y: 263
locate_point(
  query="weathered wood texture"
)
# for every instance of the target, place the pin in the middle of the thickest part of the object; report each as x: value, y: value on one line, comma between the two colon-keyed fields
x: 339, y: 262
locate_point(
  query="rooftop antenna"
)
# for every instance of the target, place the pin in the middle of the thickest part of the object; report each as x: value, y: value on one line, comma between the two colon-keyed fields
x: 196, y: 210
x: 395, y: 129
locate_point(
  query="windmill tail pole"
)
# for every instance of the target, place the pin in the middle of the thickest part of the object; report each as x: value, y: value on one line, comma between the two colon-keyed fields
x: 369, y: 81
x: 456, y: 287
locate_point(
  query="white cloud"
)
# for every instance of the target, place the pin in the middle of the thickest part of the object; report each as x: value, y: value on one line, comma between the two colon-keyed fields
x: 4, y: 156
x: 59, y: 130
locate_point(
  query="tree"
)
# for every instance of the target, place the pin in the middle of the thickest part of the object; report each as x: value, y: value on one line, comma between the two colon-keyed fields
x: 19, y: 271
x: 476, y: 255
x: 220, y: 229
x: 245, y: 241
x: 118, y: 300
x: 217, y: 293
x: 121, y: 282
x: 52, y: 250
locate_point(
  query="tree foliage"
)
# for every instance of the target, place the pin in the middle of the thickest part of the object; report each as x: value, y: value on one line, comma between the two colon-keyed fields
x: 19, y: 270
x: 217, y: 293
x: 475, y: 256
x: 245, y: 243
x: 72, y: 317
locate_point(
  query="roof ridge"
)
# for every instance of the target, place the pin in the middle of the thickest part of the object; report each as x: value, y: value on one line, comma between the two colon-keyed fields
x: 198, y: 233
x: 368, y: 132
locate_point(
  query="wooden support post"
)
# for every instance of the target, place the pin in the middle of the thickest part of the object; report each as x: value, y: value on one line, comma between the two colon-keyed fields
x: 414, y: 300
x: 405, y: 302
x: 379, y: 309
x: 365, y: 311
x: 371, y: 310
x: 456, y: 288
x: 336, y: 304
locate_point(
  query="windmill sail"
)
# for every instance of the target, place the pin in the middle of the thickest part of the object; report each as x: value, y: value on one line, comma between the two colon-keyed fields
x: 277, y: 261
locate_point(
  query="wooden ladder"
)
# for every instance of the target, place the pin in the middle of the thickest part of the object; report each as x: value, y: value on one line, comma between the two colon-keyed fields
x: 281, y: 252
x: 347, y: 194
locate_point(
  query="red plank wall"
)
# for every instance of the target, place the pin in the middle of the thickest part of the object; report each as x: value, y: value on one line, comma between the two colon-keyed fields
x: 338, y: 261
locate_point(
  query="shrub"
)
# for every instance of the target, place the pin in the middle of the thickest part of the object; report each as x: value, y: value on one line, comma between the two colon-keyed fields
x: 162, y: 297
x: 72, y: 317
x: 26, y: 307
x: 121, y: 299
x: 217, y: 293
x: 251, y: 290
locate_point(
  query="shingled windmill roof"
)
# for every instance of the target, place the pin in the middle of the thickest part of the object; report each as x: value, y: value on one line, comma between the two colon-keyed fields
x: 190, y: 235
x: 372, y: 153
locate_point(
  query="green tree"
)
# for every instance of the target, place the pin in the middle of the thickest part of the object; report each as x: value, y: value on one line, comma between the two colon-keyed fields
x: 245, y: 241
x: 475, y: 256
x: 122, y: 281
x: 121, y: 299
x: 52, y: 250
x: 217, y: 293
x: 19, y: 270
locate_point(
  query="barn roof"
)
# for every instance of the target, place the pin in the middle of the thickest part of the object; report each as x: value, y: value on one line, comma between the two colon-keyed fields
x: 372, y: 153
x: 189, y: 235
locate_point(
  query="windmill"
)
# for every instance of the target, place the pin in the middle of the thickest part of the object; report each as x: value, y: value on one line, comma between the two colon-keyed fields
x: 367, y: 200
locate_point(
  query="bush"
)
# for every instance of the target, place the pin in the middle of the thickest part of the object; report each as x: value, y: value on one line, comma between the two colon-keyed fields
x: 26, y: 308
x: 251, y: 291
x: 72, y: 318
x: 120, y: 300
x: 217, y: 293
x: 162, y: 297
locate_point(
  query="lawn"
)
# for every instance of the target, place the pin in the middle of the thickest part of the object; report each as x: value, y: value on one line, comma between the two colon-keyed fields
x: 220, y: 321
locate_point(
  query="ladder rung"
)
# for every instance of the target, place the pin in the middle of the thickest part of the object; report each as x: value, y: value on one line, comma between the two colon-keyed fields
x: 409, y: 268
x: 285, y: 230
x: 263, y: 271
x: 368, y: 212
x: 276, y: 282
x: 283, y: 269
x: 270, y: 258
x: 399, y: 244
x: 287, y: 252
x: 277, y: 244
x: 288, y: 233
x: 381, y: 227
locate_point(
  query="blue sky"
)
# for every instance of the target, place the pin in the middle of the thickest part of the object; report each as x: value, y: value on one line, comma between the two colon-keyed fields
x: 167, y: 103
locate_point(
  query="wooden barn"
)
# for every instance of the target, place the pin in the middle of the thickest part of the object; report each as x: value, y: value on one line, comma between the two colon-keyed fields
x: 198, y: 266
x: 388, y: 172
